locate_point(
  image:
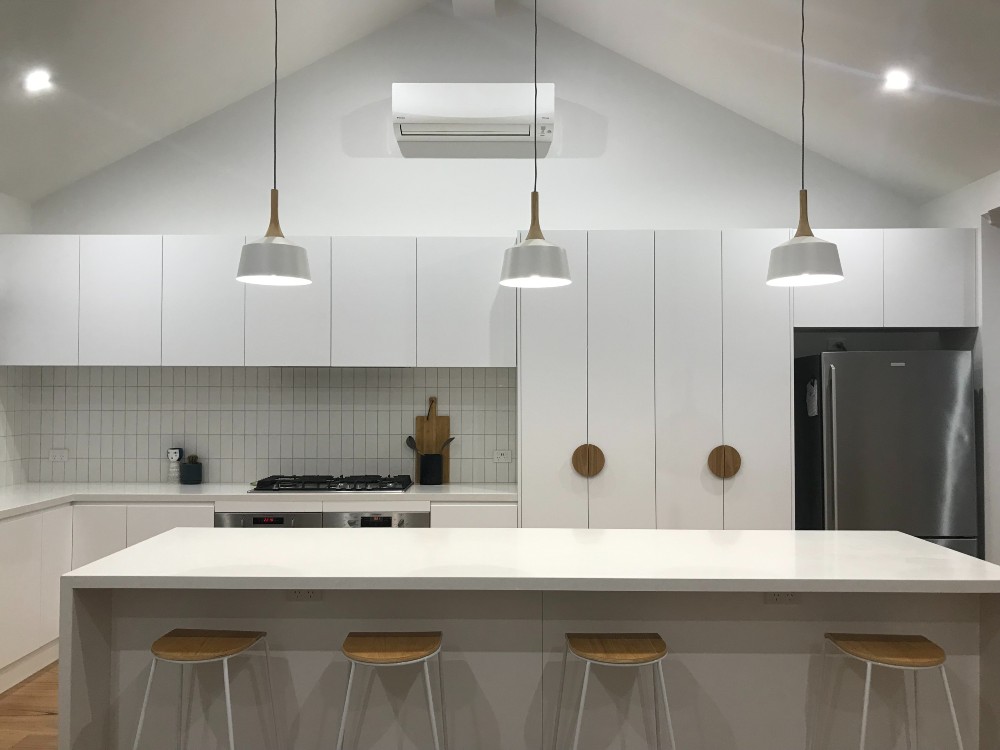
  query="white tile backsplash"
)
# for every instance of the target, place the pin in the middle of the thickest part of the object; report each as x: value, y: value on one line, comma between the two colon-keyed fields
x: 247, y: 422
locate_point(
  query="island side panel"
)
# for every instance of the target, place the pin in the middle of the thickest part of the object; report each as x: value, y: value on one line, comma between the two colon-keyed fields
x: 492, y: 669
x: 989, y: 695
x: 745, y: 675
x: 85, y: 678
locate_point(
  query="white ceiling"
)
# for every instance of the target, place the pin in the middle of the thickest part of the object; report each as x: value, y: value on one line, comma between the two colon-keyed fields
x: 130, y: 72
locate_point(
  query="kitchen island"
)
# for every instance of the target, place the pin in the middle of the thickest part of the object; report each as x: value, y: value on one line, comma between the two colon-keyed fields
x: 743, y: 614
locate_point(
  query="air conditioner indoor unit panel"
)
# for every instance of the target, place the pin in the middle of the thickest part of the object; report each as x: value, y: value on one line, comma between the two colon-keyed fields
x: 472, y: 120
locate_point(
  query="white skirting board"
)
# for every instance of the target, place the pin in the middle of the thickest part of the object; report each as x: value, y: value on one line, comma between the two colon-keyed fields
x: 26, y: 666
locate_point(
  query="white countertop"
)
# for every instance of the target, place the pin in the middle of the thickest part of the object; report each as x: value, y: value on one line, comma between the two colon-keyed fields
x: 540, y: 560
x: 28, y: 498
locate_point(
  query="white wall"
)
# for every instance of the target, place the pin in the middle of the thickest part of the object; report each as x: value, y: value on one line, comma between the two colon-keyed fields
x: 634, y: 150
x: 15, y: 215
x: 965, y: 206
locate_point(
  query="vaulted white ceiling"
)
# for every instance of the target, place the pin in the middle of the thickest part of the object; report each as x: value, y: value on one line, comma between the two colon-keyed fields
x: 130, y: 72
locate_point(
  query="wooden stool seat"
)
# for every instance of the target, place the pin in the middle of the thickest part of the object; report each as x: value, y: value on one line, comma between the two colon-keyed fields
x: 390, y: 648
x: 908, y: 651
x: 617, y: 648
x: 203, y: 645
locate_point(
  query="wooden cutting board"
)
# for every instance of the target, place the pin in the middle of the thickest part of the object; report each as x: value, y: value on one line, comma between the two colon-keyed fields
x: 430, y: 432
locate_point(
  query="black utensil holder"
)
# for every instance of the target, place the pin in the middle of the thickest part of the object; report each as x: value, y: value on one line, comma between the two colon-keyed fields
x: 431, y: 468
x: 191, y: 473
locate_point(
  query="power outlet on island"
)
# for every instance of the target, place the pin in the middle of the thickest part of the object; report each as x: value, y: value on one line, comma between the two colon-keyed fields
x: 501, y: 457
x: 304, y: 595
x: 58, y: 456
x: 781, y: 597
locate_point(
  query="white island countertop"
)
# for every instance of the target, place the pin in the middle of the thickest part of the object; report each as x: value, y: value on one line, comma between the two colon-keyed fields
x: 31, y: 497
x: 540, y: 560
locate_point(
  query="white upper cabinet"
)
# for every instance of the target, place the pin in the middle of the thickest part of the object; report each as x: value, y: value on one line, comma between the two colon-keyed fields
x: 290, y: 325
x: 120, y: 286
x: 930, y: 278
x: 39, y: 299
x: 855, y: 302
x: 688, y: 338
x: 756, y: 383
x: 621, y: 409
x: 203, y: 303
x: 374, y: 302
x: 552, y: 395
x: 464, y: 317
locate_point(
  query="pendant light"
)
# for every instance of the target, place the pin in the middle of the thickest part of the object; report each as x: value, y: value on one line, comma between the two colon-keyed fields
x: 805, y: 260
x: 535, y: 262
x: 272, y: 260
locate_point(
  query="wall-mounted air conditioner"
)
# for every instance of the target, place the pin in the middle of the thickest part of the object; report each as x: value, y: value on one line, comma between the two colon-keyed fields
x: 472, y: 120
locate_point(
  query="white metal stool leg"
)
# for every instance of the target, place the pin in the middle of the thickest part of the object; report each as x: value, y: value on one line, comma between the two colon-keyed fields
x: 583, y: 699
x: 951, y: 705
x: 444, y: 713
x: 864, y: 711
x: 430, y: 706
x: 270, y: 694
x: 911, y: 711
x: 666, y: 705
x: 347, y: 702
x: 559, y: 697
x: 229, y: 703
x: 145, y: 701
x: 181, y: 728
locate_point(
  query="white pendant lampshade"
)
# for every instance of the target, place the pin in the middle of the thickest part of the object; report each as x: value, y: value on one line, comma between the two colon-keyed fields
x: 272, y: 260
x: 805, y: 260
x: 535, y: 263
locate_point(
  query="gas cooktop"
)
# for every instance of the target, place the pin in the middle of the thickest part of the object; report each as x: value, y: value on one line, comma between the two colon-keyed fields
x: 329, y: 483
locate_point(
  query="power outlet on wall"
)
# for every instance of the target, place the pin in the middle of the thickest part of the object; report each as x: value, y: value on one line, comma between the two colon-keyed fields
x: 58, y: 455
x: 304, y: 595
x: 501, y: 457
x: 781, y: 597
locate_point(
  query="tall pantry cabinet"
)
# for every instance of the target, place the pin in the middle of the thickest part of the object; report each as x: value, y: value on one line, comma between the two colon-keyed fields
x: 666, y: 346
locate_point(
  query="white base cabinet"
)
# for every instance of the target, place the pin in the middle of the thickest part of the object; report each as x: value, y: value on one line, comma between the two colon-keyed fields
x: 98, y: 531
x: 146, y: 520
x: 57, y: 558
x: 20, y: 583
x: 474, y: 515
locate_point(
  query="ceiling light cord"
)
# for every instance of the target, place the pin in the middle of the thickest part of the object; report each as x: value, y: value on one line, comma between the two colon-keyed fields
x: 274, y: 130
x: 802, y: 39
x: 535, y: 128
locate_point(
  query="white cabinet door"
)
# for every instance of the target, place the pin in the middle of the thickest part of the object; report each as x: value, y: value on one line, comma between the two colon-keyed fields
x: 474, y: 515
x: 98, y: 531
x: 374, y: 302
x: 855, y: 302
x: 290, y: 325
x: 930, y: 278
x: 57, y: 558
x: 202, y: 301
x: 688, y: 378
x: 120, y: 289
x: 21, y: 564
x: 621, y: 409
x: 464, y: 317
x: 552, y: 395
x: 756, y: 383
x: 39, y: 299
x: 146, y: 520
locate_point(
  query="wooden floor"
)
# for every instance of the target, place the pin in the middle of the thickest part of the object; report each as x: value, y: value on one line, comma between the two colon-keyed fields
x: 28, y: 713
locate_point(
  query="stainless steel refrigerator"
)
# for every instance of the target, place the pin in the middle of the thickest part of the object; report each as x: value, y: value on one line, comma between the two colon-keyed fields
x: 887, y: 440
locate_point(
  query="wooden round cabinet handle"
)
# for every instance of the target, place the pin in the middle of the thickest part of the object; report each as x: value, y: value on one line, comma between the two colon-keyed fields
x: 588, y: 460
x: 724, y: 461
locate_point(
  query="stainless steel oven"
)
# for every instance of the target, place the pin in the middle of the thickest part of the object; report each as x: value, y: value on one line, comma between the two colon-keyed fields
x: 348, y: 520
x: 276, y: 520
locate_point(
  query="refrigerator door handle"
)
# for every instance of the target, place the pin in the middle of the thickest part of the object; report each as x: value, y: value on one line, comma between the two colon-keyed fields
x: 834, y: 494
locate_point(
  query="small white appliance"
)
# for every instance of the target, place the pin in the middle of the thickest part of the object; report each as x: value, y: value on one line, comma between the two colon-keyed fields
x: 472, y: 120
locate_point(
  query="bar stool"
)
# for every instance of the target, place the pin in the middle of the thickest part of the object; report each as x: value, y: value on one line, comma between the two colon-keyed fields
x: 910, y: 652
x: 395, y: 650
x: 186, y: 647
x: 614, y: 650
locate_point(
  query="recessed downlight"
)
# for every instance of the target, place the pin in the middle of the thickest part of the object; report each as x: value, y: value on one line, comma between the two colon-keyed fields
x: 897, y: 79
x: 37, y: 80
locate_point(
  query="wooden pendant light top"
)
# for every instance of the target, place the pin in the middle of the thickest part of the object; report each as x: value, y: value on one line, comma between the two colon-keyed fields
x: 588, y: 460
x: 535, y: 230
x: 804, y: 230
x: 724, y: 461
x: 274, y: 228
